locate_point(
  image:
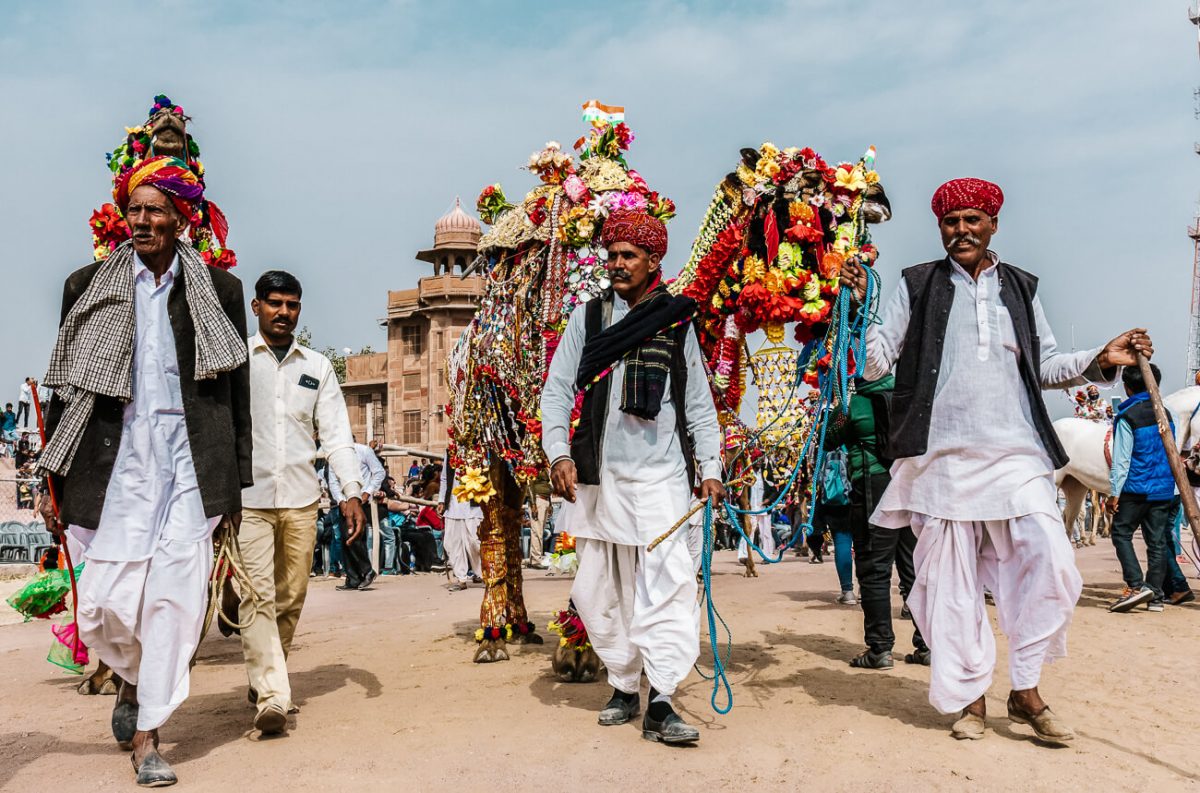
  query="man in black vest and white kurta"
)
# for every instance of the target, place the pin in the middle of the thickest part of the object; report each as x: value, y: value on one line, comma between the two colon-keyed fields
x: 628, y: 473
x: 975, y: 457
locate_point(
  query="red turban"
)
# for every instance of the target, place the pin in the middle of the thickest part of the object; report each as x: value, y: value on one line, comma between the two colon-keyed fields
x: 167, y: 174
x: 643, y: 230
x: 967, y: 194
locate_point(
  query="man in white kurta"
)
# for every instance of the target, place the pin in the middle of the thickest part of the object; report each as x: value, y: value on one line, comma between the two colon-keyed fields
x: 981, y: 498
x: 639, y: 607
x: 147, y: 565
x: 461, y: 538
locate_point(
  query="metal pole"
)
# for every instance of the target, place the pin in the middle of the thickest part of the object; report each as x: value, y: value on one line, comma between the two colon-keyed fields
x: 1191, y: 509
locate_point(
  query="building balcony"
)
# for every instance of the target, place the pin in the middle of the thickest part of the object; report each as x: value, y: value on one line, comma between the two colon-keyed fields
x: 366, y: 370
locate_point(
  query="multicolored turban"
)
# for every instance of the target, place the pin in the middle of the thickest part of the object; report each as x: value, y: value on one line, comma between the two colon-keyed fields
x: 643, y: 230
x: 168, y: 174
x: 967, y: 194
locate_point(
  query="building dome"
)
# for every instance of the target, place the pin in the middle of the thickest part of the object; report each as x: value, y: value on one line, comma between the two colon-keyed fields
x: 456, y: 229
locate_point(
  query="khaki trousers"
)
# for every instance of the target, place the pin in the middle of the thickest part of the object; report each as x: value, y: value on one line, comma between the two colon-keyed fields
x: 277, y: 547
x: 537, y: 526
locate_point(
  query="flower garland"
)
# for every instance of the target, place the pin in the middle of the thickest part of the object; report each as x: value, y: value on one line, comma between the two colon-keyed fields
x: 209, y: 229
x: 570, y: 629
x: 542, y: 262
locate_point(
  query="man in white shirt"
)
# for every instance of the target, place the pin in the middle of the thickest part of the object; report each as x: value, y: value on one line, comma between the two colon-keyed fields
x: 975, y: 455
x: 294, y: 395
x: 356, y: 556
x: 461, y: 539
x: 628, y: 472
x: 24, y: 401
x: 149, y: 447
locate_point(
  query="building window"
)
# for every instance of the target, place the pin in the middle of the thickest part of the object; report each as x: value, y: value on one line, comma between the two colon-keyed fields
x: 412, y: 382
x: 412, y: 426
x: 441, y: 378
x: 410, y: 337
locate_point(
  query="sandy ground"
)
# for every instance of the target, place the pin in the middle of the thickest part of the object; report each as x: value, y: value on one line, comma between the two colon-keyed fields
x: 392, y: 702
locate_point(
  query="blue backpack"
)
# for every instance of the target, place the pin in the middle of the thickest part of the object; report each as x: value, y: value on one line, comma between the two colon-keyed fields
x: 835, y: 481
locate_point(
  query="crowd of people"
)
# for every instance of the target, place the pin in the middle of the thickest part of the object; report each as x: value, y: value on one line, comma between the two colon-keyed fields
x: 171, y: 420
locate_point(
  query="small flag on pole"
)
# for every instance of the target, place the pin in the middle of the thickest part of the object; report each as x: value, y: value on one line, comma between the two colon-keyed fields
x: 594, y: 111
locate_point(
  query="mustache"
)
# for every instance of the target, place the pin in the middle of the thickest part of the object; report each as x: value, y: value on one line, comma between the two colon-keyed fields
x: 619, y: 275
x: 971, y: 239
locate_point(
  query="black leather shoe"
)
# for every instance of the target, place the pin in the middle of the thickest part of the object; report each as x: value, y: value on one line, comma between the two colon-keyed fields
x: 154, y: 771
x: 672, y: 730
x: 344, y: 587
x: 370, y: 579
x: 619, y: 711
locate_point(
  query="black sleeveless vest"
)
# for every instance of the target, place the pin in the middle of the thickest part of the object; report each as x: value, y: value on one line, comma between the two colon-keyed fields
x: 589, y: 434
x: 931, y: 294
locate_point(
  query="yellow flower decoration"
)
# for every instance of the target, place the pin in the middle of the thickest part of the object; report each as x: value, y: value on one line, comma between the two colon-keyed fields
x: 799, y: 210
x: 871, y: 176
x: 766, y: 168
x: 745, y: 175
x: 852, y: 179
x: 768, y: 150
x: 774, y: 281
x: 474, y: 486
x: 753, y: 269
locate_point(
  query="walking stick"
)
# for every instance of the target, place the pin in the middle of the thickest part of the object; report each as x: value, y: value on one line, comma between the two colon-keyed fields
x: 1191, y: 509
x: 41, y: 424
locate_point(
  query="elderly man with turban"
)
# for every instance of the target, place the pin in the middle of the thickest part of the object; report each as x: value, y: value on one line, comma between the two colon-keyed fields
x: 975, y: 455
x: 149, y: 446
x: 629, y: 471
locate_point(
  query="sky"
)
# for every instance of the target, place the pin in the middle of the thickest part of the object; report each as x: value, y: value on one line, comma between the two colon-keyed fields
x: 335, y: 134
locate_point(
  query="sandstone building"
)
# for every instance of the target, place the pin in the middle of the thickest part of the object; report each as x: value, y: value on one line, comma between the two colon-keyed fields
x: 402, y: 392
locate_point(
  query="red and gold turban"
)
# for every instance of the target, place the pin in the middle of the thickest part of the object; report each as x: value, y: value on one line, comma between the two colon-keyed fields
x: 643, y: 230
x: 967, y: 194
x: 168, y: 174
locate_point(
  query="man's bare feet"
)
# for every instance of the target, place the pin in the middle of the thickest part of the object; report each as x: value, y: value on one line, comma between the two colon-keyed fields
x: 144, y: 742
x: 1029, y: 701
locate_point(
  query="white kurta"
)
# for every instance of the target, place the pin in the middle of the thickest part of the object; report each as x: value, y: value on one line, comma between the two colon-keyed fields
x: 147, y: 564
x: 461, y: 537
x: 766, y: 540
x: 639, y: 608
x: 982, y: 499
x: 643, y: 486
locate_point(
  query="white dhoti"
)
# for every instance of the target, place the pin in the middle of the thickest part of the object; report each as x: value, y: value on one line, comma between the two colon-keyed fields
x: 640, y: 610
x: 1028, y: 566
x: 461, y: 541
x: 144, y: 618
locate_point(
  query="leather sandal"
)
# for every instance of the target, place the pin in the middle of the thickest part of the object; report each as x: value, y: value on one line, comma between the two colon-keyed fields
x: 969, y: 727
x: 1046, y: 725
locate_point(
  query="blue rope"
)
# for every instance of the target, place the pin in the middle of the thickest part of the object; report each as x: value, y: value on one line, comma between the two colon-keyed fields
x: 834, y: 388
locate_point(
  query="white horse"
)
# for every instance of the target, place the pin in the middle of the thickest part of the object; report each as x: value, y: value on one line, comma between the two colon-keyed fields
x: 1084, y: 443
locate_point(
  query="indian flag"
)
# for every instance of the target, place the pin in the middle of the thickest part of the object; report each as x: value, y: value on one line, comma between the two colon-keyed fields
x: 594, y: 111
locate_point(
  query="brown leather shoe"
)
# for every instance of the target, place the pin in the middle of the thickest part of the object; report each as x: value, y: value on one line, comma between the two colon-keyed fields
x: 969, y: 727
x: 1046, y: 725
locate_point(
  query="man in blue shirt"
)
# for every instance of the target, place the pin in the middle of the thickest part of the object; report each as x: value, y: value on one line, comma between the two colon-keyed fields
x: 1143, y: 496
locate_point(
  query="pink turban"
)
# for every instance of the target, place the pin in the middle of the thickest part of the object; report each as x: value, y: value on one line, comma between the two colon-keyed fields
x: 643, y: 230
x: 967, y: 194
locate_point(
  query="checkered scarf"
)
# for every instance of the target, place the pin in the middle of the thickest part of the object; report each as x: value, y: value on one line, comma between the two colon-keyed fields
x: 93, y: 354
x: 646, y: 340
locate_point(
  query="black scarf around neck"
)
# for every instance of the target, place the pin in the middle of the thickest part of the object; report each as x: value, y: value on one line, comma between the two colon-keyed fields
x: 643, y: 339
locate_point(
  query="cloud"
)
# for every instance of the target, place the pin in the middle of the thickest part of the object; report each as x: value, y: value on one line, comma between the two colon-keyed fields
x: 336, y: 134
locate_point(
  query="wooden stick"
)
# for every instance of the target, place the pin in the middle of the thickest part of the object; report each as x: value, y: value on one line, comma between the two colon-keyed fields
x: 1191, y: 509
x: 699, y: 505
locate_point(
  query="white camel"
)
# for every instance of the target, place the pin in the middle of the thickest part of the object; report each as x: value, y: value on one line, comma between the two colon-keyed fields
x: 1088, y: 468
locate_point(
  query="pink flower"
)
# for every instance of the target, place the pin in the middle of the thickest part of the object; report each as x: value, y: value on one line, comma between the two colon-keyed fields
x: 575, y: 189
